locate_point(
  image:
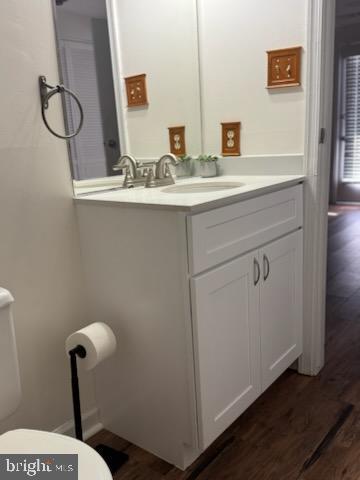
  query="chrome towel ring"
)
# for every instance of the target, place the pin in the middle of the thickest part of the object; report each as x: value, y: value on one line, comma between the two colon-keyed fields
x: 46, y: 92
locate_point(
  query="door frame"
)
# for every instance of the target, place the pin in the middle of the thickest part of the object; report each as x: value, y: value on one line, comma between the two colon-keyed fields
x: 317, y: 161
x: 116, y: 60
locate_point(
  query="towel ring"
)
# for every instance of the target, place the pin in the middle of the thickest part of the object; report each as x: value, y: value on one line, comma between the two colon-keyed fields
x: 46, y: 93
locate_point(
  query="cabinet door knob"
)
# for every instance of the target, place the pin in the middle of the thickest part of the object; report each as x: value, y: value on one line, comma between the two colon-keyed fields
x: 266, y: 265
x: 111, y: 143
x: 256, y: 272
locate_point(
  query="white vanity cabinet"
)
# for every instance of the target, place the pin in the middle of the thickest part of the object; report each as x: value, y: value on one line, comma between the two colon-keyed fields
x: 247, y: 318
x: 206, y: 306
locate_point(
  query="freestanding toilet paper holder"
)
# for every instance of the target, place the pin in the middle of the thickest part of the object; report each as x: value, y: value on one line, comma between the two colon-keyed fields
x: 113, y: 458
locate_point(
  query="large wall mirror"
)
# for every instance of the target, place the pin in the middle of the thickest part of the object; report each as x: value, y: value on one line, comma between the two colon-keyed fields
x: 103, y: 42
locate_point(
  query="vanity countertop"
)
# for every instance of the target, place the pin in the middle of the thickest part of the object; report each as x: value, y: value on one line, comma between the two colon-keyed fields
x: 158, y: 197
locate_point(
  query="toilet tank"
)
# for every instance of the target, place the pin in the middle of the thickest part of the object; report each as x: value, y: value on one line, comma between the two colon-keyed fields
x: 10, y: 390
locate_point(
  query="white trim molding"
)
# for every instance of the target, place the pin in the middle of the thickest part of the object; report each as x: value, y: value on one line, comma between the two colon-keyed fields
x: 313, y: 92
x: 116, y: 60
x: 90, y: 421
x: 320, y: 45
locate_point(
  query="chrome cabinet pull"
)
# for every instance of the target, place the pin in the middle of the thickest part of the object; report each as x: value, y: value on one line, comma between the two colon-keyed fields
x: 256, y: 272
x: 266, y: 265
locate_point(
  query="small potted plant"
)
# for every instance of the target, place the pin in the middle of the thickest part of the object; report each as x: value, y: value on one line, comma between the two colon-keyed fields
x: 208, y: 165
x: 184, y: 167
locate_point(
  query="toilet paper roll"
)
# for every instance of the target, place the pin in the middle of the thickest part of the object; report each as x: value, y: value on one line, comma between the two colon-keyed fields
x: 98, y: 340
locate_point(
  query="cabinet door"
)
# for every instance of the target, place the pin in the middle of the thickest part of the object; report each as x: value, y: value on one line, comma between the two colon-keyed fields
x: 225, y: 303
x: 280, y: 305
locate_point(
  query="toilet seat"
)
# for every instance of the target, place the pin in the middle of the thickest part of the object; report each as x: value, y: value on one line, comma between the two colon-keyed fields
x: 91, y: 465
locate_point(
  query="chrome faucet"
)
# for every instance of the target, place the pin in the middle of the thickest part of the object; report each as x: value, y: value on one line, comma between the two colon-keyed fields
x: 162, y: 172
x: 131, y: 166
x: 161, y: 165
x: 127, y: 161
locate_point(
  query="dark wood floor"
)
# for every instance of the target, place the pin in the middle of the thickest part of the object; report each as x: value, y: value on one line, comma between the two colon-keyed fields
x: 301, y: 428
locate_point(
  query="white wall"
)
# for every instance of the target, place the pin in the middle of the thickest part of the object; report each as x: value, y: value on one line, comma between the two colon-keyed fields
x: 234, y: 37
x: 159, y: 38
x: 39, y: 250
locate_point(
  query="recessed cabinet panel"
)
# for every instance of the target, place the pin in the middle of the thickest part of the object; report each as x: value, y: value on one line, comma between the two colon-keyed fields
x: 227, y: 344
x: 280, y: 305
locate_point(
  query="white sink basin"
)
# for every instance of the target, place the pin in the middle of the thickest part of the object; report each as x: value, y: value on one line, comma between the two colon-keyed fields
x: 202, y: 187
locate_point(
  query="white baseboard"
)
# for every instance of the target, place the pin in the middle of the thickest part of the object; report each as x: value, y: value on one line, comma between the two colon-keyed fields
x: 90, y: 422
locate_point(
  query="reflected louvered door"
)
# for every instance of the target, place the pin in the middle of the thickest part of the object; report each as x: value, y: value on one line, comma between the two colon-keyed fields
x: 79, y: 71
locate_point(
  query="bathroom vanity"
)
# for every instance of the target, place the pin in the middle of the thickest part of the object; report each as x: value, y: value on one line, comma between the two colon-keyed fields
x: 204, y: 294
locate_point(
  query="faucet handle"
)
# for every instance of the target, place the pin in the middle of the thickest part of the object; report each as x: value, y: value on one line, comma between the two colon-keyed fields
x: 127, y: 161
x: 129, y: 179
x: 161, y: 165
x: 167, y: 172
x: 150, y: 179
x: 117, y: 167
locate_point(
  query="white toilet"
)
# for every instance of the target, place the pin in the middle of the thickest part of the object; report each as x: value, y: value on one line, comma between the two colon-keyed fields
x: 91, y: 465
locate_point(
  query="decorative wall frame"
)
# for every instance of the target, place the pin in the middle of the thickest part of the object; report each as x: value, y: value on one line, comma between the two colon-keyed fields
x: 284, y: 67
x: 230, y: 139
x: 177, y: 140
x: 136, y: 90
